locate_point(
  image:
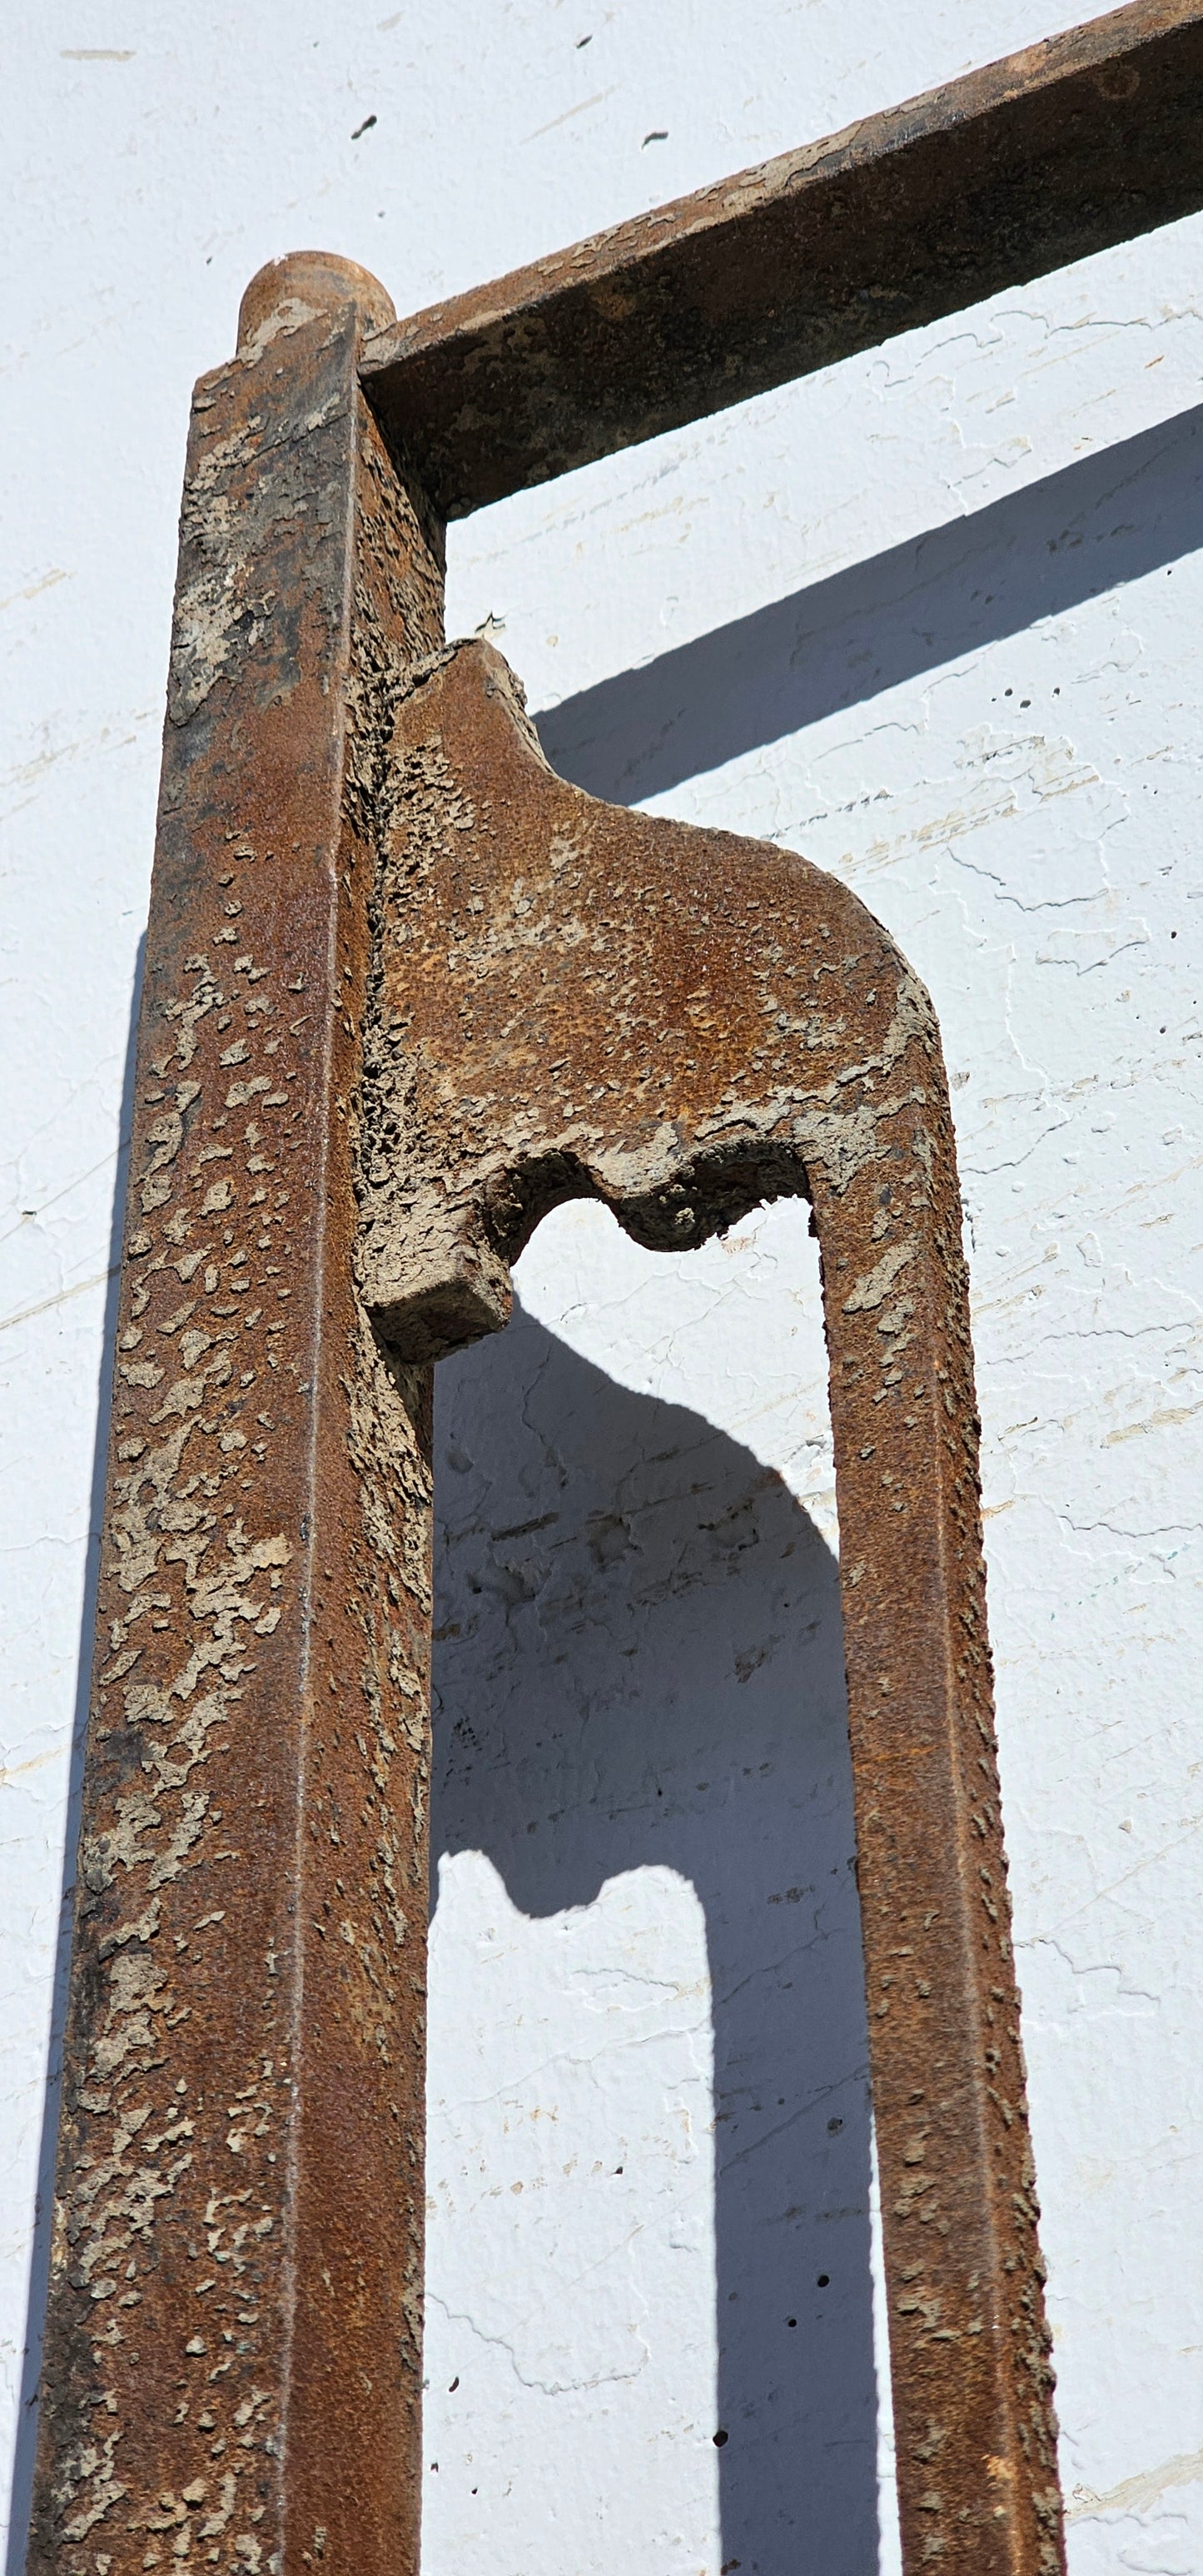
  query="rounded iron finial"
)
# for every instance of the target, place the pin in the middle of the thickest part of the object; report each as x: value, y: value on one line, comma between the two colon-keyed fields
x: 308, y: 282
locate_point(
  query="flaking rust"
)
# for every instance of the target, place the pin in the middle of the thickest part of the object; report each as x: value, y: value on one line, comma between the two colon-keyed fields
x: 405, y: 992
x: 232, y: 2374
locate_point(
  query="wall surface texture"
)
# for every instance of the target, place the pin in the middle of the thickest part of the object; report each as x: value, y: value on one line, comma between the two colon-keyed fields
x: 932, y: 618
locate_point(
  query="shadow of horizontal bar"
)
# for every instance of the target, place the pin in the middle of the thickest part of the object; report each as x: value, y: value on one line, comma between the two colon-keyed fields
x: 1055, y: 153
x: 1104, y: 521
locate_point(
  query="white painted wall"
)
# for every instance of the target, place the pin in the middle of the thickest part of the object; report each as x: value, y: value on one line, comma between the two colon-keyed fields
x: 934, y: 619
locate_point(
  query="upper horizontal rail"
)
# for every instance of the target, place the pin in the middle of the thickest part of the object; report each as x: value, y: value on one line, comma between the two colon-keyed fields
x: 1067, y: 148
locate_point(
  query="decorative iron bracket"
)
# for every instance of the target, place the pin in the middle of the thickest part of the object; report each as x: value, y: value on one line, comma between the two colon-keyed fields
x: 405, y: 991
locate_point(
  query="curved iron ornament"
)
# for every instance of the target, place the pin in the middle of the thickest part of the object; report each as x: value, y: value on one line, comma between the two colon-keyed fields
x: 405, y: 991
x: 575, y: 1000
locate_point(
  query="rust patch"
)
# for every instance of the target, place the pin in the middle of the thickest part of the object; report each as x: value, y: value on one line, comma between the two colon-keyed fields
x: 232, y: 2358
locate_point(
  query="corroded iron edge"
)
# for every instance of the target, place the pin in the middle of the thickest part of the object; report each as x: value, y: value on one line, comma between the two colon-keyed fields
x: 232, y: 2366
x: 1048, y: 156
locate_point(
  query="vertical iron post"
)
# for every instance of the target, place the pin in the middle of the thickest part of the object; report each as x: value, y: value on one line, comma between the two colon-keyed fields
x: 232, y: 2368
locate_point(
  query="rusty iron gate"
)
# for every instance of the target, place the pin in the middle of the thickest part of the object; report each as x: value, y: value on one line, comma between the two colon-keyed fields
x: 405, y: 991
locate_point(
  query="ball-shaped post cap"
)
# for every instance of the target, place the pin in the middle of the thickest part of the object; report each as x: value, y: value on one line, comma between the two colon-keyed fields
x: 314, y: 280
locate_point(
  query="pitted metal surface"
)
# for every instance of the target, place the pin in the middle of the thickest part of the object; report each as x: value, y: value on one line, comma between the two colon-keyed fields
x: 232, y: 2369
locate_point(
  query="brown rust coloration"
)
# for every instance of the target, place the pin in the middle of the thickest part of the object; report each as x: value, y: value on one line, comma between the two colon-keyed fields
x: 571, y: 999
x: 232, y: 2371
x: 1065, y: 149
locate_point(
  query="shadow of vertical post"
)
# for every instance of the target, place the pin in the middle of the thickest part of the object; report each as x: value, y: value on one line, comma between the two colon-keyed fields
x: 39, y: 2260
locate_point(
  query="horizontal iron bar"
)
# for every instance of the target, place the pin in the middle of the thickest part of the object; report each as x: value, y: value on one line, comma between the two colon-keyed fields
x: 1067, y: 148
